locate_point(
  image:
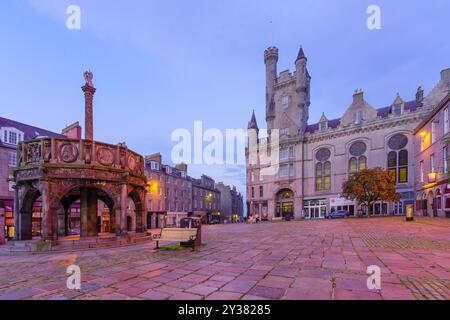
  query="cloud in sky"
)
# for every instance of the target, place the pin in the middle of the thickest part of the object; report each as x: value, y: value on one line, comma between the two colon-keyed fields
x: 161, y: 65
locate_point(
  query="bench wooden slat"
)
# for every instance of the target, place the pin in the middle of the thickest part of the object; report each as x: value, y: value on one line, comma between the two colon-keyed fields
x: 177, y: 235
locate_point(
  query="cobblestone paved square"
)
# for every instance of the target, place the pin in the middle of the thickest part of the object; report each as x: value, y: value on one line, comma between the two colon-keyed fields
x: 281, y: 260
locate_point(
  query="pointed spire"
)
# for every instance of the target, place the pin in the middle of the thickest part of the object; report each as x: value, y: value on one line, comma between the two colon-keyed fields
x: 419, y: 94
x: 398, y: 99
x: 253, y: 124
x: 301, y: 54
x: 323, y: 118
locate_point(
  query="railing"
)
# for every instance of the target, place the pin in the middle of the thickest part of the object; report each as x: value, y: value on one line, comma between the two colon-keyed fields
x: 78, y: 152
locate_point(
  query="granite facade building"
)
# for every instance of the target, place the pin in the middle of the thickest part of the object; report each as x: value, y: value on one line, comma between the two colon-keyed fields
x: 231, y: 203
x: 431, y: 139
x: 205, y: 198
x: 173, y: 195
x: 315, y: 159
x: 169, y: 193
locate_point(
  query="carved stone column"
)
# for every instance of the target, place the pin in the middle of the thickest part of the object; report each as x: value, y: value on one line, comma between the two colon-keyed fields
x: 89, y: 212
x: 123, y: 208
x: 84, y: 212
x: 92, y: 213
x: 89, y: 91
x: 17, y: 204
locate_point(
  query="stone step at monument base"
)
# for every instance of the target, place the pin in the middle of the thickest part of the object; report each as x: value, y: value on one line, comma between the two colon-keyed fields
x: 74, y: 243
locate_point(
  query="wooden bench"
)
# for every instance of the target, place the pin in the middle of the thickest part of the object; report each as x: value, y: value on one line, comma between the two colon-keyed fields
x: 176, y: 235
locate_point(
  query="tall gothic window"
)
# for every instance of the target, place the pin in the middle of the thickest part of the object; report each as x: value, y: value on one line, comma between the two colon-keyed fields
x: 358, y: 161
x: 319, y: 175
x: 397, y: 159
x: 392, y: 165
x: 323, y: 170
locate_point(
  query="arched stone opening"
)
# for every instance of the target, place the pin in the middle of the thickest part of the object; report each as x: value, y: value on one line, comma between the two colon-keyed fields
x: 24, y: 225
x: 285, y: 204
x: 86, y: 211
x: 135, y: 212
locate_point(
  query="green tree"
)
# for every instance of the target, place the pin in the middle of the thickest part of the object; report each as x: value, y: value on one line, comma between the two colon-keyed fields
x: 369, y: 186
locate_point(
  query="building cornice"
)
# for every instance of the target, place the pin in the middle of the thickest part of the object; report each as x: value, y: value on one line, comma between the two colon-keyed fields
x: 375, y: 125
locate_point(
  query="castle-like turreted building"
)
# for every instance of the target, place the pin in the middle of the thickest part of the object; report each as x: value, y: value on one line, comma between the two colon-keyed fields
x: 315, y: 159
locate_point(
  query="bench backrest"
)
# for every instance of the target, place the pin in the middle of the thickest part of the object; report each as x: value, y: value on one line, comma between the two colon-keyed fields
x: 178, y: 234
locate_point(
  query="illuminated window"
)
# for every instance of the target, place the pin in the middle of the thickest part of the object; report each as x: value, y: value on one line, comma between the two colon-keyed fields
x: 323, y: 176
x: 362, y: 163
x: 327, y: 176
x: 392, y: 165
x: 398, y: 166
x: 319, y: 175
x: 352, y: 167
x: 403, y: 166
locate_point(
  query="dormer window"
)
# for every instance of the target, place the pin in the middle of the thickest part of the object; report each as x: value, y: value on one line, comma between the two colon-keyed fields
x: 11, y: 136
x: 397, y: 109
x: 285, y: 101
x: 323, y: 126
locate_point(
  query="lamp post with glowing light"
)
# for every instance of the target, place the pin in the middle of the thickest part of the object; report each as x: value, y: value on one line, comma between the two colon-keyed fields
x: 208, y: 198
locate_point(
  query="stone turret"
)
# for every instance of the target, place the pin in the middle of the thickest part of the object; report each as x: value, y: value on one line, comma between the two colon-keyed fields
x: 303, y: 80
x: 270, y: 60
x: 252, y: 123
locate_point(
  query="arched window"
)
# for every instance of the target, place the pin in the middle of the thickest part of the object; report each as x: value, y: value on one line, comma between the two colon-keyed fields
x: 327, y: 176
x: 357, y: 161
x: 397, y: 159
x: 352, y: 167
x: 319, y: 174
x: 392, y: 165
x: 362, y: 165
x: 403, y: 166
x: 323, y: 170
x: 398, y: 166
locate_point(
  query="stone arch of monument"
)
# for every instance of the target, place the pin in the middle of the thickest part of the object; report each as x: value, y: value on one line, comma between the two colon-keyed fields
x: 61, y: 171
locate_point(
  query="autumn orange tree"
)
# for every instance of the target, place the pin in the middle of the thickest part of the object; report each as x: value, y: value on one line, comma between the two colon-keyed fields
x: 369, y: 186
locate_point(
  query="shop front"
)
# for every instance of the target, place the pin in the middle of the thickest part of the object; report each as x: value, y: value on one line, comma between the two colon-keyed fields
x: 339, y: 204
x: 315, y: 209
x: 173, y: 219
x: 156, y: 220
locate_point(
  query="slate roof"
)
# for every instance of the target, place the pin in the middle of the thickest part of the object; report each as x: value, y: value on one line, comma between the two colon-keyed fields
x: 30, y: 132
x: 382, y: 113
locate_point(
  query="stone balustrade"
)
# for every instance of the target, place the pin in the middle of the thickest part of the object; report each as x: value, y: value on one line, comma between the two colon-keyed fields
x: 76, y: 153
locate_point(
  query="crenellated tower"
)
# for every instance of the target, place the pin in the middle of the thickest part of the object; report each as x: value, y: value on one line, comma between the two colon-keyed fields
x: 270, y: 60
x: 303, y: 88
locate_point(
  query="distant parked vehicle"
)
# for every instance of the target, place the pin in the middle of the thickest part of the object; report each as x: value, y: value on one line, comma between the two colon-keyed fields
x: 215, y: 221
x: 339, y: 214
